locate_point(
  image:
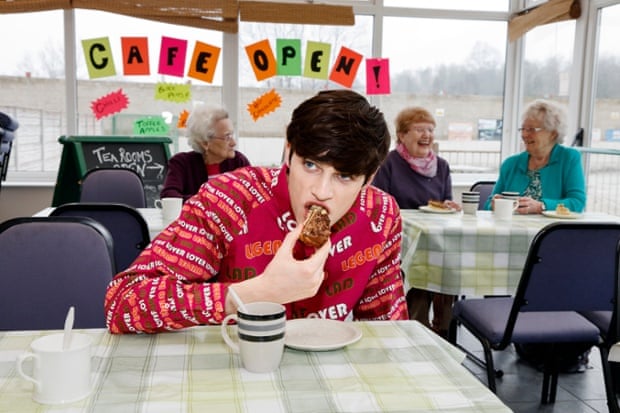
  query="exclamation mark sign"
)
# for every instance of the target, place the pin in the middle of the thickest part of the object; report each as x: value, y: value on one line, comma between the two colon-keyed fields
x: 376, y: 70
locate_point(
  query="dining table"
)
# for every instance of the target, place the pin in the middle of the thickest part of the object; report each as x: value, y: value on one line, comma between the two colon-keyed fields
x: 472, y: 254
x: 396, y: 366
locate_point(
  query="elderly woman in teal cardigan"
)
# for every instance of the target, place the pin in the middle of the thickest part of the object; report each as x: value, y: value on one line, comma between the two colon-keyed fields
x: 546, y: 173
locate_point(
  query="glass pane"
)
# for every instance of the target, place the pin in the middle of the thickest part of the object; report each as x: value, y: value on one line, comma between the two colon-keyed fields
x: 548, y: 59
x: 480, y: 5
x: 605, y: 133
x: 32, y: 84
x: 455, y: 69
x: 262, y: 139
x: 145, y: 98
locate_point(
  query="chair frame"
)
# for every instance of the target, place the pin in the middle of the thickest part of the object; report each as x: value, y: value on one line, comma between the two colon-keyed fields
x: 83, y: 209
x: 520, y: 305
x: 608, y: 339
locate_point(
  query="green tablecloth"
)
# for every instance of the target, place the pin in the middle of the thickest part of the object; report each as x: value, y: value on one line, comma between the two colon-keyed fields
x: 395, y: 367
x: 470, y: 255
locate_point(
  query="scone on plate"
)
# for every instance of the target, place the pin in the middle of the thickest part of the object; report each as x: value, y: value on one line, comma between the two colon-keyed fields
x: 562, y: 210
x: 437, y: 205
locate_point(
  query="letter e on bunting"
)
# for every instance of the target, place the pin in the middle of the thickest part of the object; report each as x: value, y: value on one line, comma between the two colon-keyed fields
x: 204, y: 61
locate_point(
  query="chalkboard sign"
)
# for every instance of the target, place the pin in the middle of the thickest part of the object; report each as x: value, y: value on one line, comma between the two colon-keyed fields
x: 148, y: 156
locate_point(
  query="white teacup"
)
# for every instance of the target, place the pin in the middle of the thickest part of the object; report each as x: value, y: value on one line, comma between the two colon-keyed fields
x: 504, y: 208
x: 470, y: 201
x: 469, y: 207
x: 260, y: 335
x: 510, y: 195
x: 59, y: 376
x: 170, y: 207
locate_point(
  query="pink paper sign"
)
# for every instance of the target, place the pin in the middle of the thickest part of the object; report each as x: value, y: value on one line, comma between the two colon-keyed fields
x: 109, y: 104
x: 377, y: 76
x: 172, y: 56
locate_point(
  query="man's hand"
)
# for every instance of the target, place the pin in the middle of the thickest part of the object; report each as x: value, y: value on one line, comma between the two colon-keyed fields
x: 285, y: 278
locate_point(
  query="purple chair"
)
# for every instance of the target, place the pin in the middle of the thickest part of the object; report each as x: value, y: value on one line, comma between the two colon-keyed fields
x: 571, y: 269
x: 117, y: 185
x: 49, y: 264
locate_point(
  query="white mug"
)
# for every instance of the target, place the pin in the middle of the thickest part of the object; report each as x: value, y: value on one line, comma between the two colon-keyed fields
x: 469, y: 207
x: 504, y: 208
x: 170, y: 207
x: 59, y: 376
x: 510, y: 195
x: 470, y: 201
x: 260, y: 335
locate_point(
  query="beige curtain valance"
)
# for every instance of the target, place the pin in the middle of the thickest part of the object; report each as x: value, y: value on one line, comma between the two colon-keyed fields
x: 549, y: 12
x: 221, y: 15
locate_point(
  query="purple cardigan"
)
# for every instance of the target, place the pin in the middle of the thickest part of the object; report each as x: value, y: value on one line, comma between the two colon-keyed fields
x: 187, y: 171
x: 411, y: 189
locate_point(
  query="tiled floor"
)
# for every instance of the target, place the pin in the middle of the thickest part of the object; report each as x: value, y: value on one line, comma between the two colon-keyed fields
x: 521, y: 385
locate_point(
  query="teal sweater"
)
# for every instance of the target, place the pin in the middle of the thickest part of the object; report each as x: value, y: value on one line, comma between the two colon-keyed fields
x: 562, y: 179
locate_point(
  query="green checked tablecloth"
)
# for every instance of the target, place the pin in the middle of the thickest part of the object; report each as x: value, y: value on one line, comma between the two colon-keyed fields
x: 395, y: 367
x: 470, y: 255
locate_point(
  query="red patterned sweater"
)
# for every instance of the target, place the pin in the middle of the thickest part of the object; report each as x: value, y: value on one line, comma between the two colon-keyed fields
x: 229, y: 232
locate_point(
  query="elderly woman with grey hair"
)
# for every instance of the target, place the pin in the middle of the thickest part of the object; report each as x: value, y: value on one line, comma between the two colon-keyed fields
x: 547, y: 173
x: 212, y: 138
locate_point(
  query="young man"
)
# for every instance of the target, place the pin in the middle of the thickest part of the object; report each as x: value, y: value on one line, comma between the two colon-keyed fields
x: 242, y: 228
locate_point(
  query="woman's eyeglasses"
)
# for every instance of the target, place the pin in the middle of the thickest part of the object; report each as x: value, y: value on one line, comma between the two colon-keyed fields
x: 421, y: 130
x: 230, y: 136
x: 530, y: 130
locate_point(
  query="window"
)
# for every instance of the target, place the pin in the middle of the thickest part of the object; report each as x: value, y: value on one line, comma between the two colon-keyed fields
x: 455, y: 69
x: 481, y: 5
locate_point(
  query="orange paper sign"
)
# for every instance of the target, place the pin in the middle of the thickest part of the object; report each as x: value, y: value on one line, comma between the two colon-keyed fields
x: 109, y: 104
x: 135, y: 55
x: 265, y: 104
x: 262, y: 59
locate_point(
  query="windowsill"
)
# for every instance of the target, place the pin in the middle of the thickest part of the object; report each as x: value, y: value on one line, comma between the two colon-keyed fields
x: 466, y: 180
x: 29, y: 179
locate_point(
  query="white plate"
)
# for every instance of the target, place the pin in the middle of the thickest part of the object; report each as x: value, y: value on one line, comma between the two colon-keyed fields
x: 319, y: 334
x: 426, y: 208
x: 553, y: 214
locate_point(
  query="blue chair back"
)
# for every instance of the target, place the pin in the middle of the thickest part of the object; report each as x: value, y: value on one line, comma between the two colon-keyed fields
x: 485, y: 188
x: 571, y: 266
x: 128, y: 227
x: 117, y: 185
x: 50, y: 264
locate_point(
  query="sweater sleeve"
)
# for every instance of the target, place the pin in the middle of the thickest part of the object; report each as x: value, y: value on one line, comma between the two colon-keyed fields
x: 169, y: 285
x: 570, y: 176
